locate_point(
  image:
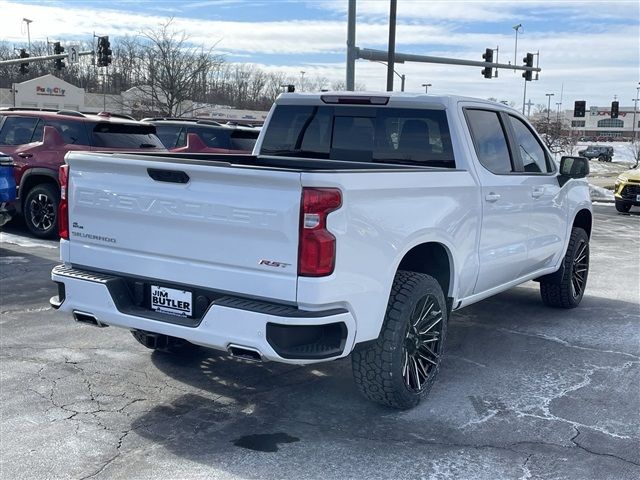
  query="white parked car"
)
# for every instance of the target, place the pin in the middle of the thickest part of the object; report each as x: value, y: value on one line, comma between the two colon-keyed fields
x: 358, y: 225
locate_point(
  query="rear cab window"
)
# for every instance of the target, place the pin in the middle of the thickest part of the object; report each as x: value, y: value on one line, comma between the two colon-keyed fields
x: 410, y: 136
x: 125, y: 135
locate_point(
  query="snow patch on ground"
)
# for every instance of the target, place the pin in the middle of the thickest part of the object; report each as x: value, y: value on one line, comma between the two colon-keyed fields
x: 599, y: 193
x: 26, y: 242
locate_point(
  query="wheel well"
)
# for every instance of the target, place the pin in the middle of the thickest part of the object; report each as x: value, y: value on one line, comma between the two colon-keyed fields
x: 583, y: 220
x: 432, y: 259
x: 33, y: 180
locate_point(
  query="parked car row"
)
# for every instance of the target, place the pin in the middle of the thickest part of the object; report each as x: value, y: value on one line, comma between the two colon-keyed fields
x: 37, y: 141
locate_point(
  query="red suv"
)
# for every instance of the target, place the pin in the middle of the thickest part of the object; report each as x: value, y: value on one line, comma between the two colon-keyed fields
x: 38, y: 141
x: 204, y: 136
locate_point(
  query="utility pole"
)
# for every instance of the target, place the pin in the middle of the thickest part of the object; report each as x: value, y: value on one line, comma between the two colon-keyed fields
x: 635, y: 107
x: 302, y: 72
x: 392, y: 44
x: 351, y: 46
x: 529, y: 104
x: 426, y: 87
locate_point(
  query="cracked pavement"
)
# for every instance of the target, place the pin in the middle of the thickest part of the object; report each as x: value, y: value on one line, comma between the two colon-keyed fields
x: 525, y: 392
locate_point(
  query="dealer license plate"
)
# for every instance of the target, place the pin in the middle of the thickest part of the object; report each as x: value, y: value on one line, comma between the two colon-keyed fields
x: 172, y: 301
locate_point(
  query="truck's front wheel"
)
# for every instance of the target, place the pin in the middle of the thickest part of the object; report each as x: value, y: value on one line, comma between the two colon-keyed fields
x: 399, y: 368
x: 567, y: 290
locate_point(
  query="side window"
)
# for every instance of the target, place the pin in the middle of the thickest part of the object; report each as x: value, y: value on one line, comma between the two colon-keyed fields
x: 38, y: 132
x: 533, y: 156
x: 168, y: 135
x: 17, y: 130
x: 489, y: 140
x: 212, y: 137
x: 73, y: 133
x: 182, y: 138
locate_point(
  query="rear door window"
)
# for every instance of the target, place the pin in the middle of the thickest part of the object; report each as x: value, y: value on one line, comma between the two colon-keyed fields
x: 17, y: 130
x: 73, y: 133
x: 362, y: 134
x: 489, y: 140
x: 125, y: 135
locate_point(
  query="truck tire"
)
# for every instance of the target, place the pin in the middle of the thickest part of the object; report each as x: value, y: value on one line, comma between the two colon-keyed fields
x: 164, y: 343
x: 601, y: 158
x: 567, y: 291
x: 623, y: 207
x: 399, y: 367
x: 40, y: 210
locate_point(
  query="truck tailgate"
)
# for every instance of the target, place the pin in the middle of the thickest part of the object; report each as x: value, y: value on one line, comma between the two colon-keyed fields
x: 197, y: 223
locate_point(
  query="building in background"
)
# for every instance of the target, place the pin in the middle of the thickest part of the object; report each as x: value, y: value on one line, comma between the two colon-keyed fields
x: 597, y: 124
x: 51, y: 92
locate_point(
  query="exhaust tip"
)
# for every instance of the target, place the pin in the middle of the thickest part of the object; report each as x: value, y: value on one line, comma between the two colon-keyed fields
x: 245, y: 353
x: 88, y: 318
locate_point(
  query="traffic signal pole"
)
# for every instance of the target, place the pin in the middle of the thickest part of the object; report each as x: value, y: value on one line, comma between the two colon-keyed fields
x: 62, y: 56
x: 381, y: 55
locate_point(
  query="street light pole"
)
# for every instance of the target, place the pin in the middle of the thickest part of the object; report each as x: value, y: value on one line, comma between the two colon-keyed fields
x: 549, y: 95
x: 515, y: 52
x: 426, y: 87
x: 400, y: 76
x: 28, y: 22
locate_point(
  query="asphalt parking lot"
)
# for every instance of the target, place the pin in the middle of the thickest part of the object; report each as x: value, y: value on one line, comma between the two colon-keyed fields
x: 524, y: 392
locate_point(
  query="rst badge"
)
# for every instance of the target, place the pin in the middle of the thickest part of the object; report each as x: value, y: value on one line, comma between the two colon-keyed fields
x: 271, y: 263
x: 171, y: 301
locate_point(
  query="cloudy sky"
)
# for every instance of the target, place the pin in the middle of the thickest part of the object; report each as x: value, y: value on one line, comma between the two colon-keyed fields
x: 589, y: 50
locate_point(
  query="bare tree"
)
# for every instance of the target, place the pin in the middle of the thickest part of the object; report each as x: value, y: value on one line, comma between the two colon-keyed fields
x: 173, y: 69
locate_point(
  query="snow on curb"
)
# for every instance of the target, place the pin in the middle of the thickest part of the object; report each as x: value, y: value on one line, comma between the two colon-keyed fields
x: 600, y: 194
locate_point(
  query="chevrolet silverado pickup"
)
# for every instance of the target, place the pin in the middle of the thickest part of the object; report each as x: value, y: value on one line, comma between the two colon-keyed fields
x: 358, y: 224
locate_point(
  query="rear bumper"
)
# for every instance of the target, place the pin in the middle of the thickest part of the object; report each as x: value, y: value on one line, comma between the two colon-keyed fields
x: 278, y: 332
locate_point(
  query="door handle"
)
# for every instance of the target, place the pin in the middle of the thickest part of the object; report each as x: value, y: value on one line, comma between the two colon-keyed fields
x: 25, y: 155
x: 492, y: 197
x: 537, y: 192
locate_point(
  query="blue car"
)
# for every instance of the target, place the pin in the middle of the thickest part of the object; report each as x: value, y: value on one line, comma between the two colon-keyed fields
x: 7, y: 189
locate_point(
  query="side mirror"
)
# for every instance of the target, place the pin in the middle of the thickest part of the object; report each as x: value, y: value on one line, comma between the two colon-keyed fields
x: 573, y: 167
x: 51, y: 137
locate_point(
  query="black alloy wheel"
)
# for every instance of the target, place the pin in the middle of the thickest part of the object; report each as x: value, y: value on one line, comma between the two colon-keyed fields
x: 422, y: 345
x: 565, y: 288
x: 41, y: 211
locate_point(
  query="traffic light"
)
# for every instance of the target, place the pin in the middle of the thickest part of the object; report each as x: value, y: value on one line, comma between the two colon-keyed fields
x: 24, y: 67
x: 487, y: 72
x: 614, y: 109
x: 104, y: 52
x: 528, y: 62
x: 579, y: 108
x: 58, y: 50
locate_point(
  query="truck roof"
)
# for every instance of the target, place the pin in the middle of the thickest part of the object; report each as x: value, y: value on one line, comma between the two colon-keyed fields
x: 394, y: 97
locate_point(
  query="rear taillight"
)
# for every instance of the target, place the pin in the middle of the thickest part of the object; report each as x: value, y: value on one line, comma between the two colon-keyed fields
x: 317, y: 250
x: 63, y: 208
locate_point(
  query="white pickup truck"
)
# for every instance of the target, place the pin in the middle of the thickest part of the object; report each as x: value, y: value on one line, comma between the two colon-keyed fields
x: 358, y: 225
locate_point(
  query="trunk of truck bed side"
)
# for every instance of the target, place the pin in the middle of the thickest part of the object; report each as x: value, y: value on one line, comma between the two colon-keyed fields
x: 186, y: 222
